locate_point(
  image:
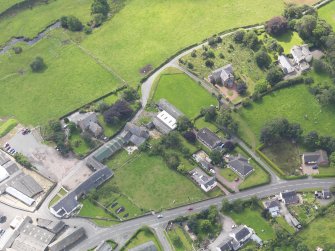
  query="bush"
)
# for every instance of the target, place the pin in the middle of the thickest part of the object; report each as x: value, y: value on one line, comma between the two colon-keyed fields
x: 274, y: 75
x: 100, y: 7
x: 263, y: 59
x: 71, y: 23
x: 209, y: 63
x: 23, y: 160
x: 37, y: 65
x: 239, y: 36
x: 276, y: 26
x: 7, y: 127
x: 190, y: 136
x: 17, y: 50
x: 241, y: 88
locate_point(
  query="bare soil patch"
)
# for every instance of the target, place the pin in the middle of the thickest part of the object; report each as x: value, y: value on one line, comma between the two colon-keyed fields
x: 146, y: 69
x: 229, y: 93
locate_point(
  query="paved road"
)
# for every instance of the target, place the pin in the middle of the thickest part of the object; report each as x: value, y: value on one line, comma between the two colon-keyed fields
x: 169, y: 215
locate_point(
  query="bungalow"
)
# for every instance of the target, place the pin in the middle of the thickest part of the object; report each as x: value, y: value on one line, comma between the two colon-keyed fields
x: 205, y: 181
x: 273, y: 206
x: 289, y: 197
x: 285, y: 64
x: 223, y: 75
x: 302, y: 56
x: 319, y: 158
x: 209, y: 139
x: 240, y: 166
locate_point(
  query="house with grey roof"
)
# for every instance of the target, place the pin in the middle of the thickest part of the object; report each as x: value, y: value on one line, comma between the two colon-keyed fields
x: 223, y: 76
x: 289, y: 197
x: 134, y: 134
x: 87, y: 122
x: 205, y: 181
x: 285, y: 64
x: 69, y: 203
x: 319, y: 158
x: 67, y: 239
x: 148, y: 246
x: 52, y: 226
x: 241, y: 235
x: 273, y: 206
x: 103, y: 246
x: 227, y: 244
x: 302, y: 56
x: 209, y: 139
x: 240, y: 166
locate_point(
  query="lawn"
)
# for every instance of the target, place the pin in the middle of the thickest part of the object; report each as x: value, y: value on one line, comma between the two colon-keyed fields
x: 294, y: 103
x: 150, y: 184
x: 142, y: 236
x: 288, y: 40
x: 148, y: 32
x: 7, y: 126
x: 284, y: 225
x: 241, y: 58
x: 253, y: 219
x: 70, y: 80
x: 286, y: 156
x: 228, y: 174
x: 184, y: 93
x: 5, y: 4
x: 54, y: 200
x: 327, y: 12
x: 177, y: 232
x: 320, y: 232
x: 78, y: 145
x: 201, y: 123
x: 29, y: 22
x: 92, y: 211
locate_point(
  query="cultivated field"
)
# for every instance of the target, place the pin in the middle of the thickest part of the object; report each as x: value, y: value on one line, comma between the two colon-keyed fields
x: 184, y: 93
x: 147, y: 32
x: 30, y: 22
x: 71, y: 79
x: 327, y: 12
x: 296, y: 104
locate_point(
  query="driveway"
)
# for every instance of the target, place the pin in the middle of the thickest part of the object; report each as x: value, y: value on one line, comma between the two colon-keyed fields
x: 227, y: 226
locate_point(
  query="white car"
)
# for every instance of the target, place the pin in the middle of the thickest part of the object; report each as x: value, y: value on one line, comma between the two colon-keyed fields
x: 159, y: 216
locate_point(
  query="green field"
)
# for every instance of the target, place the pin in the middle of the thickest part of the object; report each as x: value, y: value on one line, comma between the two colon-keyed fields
x: 30, y: 22
x: 141, y: 237
x: 148, y: 32
x: 327, y: 12
x: 294, y: 103
x: 320, y: 232
x: 150, y: 184
x: 71, y: 80
x: 253, y: 219
x: 5, y: 4
x: 185, y: 244
x: 181, y: 91
x: 240, y: 57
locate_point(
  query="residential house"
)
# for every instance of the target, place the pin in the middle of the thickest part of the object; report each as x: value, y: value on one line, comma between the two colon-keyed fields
x: 319, y: 158
x: 209, y: 139
x: 285, y: 64
x: 273, y: 206
x: 240, y: 166
x: 205, y: 181
x: 87, y: 122
x: 148, y: 246
x: 302, y: 56
x: 223, y: 76
x: 134, y: 134
x: 289, y: 197
x: 166, y: 119
x: 227, y: 244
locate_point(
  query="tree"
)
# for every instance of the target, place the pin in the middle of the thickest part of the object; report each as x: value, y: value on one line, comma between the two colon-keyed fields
x: 311, y: 140
x: 98, y: 19
x: 183, y: 124
x: 216, y: 157
x: 172, y: 160
x: 276, y: 26
x: 72, y: 23
x: 100, y: 7
x: 171, y: 140
x: 263, y: 59
x: 305, y: 27
x: 225, y: 122
x: 226, y: 206
x: 72, y: 127
x: 190, y: 136
x: 117, y: 112
x: 37, y: 65
x: 238, y: 206
x: 239, y: 36
x: 229, y: 145
x: 275, y: 75
x: 241, y: 88
x: 205, y: 226
x: 250, y: 39
x: 209, y: 63
x: 294, y: 132
x: 209, y: 113
x: 130, y: 94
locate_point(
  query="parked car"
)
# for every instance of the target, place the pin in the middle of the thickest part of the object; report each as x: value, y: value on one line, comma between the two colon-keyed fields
x: 159, y: 216
x: 315, y: 167
x: 120, y: 210
x: 190, y: 208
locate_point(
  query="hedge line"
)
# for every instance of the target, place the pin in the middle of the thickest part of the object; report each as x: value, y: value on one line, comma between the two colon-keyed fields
x: 7, y: 127
x: 254, y: 186
x: 273, y: 165
x: 324, y: 175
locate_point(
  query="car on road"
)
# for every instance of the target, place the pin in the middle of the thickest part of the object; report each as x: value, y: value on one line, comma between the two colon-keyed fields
x: 159, y: 216
x: 190, y: 208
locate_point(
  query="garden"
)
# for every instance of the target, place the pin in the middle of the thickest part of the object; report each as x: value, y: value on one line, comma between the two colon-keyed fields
x: 179, y: 238
x: 142, y: 236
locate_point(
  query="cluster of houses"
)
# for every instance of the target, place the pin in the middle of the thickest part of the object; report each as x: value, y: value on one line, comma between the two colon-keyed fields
x: 300, y: 62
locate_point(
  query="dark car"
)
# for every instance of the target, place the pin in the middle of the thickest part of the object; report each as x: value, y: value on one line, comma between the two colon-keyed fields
x: 120, y: 210
x: 114, y: 204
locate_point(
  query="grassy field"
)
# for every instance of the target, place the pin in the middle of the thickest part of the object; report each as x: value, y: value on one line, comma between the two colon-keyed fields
x: 30, y: 22
x: 150, y: 184
x: 253, y: 219
x: 164, y: 27
x: 327, y: 12
x: 5, y: 4
x: 181, y: 91
x: 320, y: 232
x: 142, y: 237
x: 241, y: 58
x: 201, y: 123
x: 288, y: 40
x: 294, y: 103
x: 7, y: 126
x: 177, y: 232
x: 70, y: 80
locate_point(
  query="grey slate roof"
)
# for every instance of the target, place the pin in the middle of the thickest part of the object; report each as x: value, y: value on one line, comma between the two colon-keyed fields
x: 241, y: 233
x: 104, y: 246
x: 67, y: 239
x: 11, y: 167
x: 223, y: 75
x: 160, y: 126
x: 135, y: 134
x: 272, y: 204
x: 241, y: 166
x: 52, y: 226
x: 148, y: 246
x: 69, y: 202
x: 317, y: 157
x: 209, y: 138
x: 95, y: 128
x: 83, y: 120
x: 3, y: 158
x: 26, y: 185
x: 163, y: 104
x: 290, y: 197
x: 226, y: 245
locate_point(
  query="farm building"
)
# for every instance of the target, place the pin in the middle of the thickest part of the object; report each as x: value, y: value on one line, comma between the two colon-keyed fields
x: 134, y: 134
x: 87, y: 122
